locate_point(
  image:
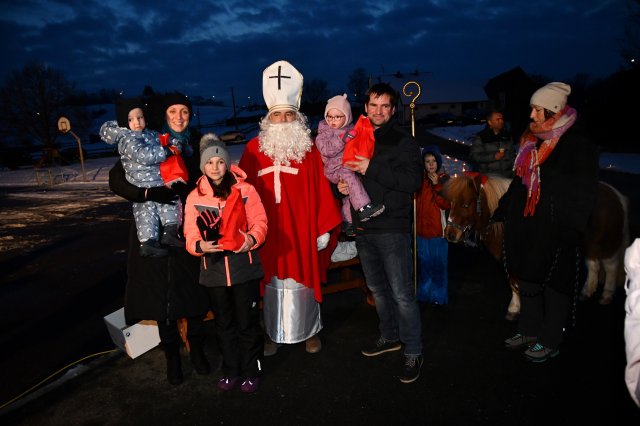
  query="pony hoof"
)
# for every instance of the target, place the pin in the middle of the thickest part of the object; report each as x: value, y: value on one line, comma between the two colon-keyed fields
x: 511, y: 316
x: 605, y: 300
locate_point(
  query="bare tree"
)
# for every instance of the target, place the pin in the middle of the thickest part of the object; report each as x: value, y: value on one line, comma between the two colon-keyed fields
x: 315, y: 91
x: 31, y: 101
x: 358, y: 83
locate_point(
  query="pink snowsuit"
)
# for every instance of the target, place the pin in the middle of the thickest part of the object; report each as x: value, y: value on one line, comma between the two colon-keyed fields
x: 331, y: 146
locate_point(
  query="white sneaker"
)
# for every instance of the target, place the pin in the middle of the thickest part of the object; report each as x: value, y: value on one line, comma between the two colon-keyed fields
x: 351, y: 250
x: 340, y: 253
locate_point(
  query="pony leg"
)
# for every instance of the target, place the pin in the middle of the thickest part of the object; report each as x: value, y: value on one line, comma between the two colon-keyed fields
x: 591, y: 284
x: 513, y: 310
x: 611, y: 273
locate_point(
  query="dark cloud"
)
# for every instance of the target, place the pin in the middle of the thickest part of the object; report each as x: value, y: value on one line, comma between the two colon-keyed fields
x: 207, y: 47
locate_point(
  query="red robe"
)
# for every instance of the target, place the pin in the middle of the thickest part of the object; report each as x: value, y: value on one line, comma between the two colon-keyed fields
x: 307, y: 209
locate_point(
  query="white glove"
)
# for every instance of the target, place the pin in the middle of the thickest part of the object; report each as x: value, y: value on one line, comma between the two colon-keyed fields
x: 323, y: 241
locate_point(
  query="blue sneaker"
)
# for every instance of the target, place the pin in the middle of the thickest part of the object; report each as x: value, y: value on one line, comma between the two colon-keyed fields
x: 539, y: 353
x: 519, y: 341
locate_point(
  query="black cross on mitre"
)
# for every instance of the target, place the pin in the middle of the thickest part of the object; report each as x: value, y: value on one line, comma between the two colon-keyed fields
x: 279, y: 77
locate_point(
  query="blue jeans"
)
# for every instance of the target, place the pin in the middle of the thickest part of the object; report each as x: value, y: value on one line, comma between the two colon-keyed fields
x: 387, y: 265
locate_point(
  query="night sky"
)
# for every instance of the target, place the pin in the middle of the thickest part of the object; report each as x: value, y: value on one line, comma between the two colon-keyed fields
x: 207, y: 47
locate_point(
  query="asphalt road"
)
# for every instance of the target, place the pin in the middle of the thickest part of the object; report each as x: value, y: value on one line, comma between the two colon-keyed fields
x: 55, y: 290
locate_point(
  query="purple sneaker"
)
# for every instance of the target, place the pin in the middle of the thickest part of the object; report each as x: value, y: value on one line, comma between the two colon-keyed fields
x: 227, y: 383
x: 250, y: 385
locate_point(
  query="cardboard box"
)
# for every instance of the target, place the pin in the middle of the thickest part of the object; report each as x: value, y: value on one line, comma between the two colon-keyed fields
x: 134, y: 339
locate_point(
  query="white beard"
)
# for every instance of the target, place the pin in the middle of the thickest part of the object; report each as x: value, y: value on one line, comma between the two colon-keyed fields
x: 285, y: 142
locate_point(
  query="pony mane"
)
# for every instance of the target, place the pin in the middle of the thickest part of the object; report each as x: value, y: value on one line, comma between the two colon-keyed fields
x: 494, y: 188
x: 457, y: 185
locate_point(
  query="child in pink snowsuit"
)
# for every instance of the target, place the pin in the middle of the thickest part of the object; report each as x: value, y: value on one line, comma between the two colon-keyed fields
x: 333, y: 132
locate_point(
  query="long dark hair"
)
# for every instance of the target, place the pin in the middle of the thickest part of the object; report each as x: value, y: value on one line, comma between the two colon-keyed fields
x: 223, y: 190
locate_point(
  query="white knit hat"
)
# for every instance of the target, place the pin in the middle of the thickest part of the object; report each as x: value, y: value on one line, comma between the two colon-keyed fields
x: 282, y: 86
x: 553, y: 96
x: 340, y: 103
x: 211, y: 146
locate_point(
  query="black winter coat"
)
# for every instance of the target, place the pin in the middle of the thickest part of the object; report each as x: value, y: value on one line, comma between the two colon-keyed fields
x: 164, y: 288
x: 395, y: 172
x: 568, y: 186
x: 483, y: 151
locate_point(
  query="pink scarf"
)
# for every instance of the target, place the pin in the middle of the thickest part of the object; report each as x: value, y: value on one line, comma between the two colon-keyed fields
x: 530, y: 157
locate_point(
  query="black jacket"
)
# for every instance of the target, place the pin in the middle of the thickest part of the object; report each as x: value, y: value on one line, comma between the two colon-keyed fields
x: 165, y: 287
x: 568, y: 185
x: 395, y: 172
x: 483, y: 151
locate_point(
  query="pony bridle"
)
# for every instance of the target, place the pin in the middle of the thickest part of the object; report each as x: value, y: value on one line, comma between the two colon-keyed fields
x: 465, y: 229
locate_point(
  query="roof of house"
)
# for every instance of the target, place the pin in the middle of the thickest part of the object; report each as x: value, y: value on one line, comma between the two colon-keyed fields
x: 434, y: 91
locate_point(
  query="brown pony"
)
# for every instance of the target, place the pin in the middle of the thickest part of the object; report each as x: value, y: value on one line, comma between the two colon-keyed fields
x: 474, y: 198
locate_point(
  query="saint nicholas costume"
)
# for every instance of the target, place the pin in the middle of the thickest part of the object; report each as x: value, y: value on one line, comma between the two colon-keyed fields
x: 301, y: 211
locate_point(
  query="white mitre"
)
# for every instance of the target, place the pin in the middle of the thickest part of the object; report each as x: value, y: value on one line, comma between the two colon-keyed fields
x: 282, y: 86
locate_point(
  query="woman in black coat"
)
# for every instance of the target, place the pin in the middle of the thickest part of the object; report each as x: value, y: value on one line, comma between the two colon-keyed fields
x: 166, y: 289
x: 545, y: 213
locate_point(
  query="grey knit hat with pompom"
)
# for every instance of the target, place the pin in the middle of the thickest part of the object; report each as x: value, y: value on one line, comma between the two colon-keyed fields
x: 211, y: 146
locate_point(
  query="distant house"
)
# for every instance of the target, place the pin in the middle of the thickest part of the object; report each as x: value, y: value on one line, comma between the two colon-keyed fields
x: 511, y: 92
x: 437, y: 98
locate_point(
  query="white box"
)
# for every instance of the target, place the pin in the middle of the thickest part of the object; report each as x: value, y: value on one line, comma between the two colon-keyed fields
x: 135, y: 339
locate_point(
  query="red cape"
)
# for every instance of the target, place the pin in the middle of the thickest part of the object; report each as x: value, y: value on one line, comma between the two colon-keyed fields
x: 307, y: 209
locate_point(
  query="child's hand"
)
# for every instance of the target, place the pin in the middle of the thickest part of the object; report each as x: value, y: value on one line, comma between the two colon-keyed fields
x: 210, y: 246
x: 349, y: 136
x: 248, y: 242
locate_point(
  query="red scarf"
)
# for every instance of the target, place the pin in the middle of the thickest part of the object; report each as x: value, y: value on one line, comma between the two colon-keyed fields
x: 530, y: 156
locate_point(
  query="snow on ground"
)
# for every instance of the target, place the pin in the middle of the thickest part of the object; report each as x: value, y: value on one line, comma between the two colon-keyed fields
x: 97, y: 169
x: 621, y: 162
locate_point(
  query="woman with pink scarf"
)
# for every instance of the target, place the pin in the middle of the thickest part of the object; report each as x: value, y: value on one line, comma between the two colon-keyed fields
x: 545, y: 212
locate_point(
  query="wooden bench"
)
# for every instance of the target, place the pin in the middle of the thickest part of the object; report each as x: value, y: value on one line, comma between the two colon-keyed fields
x: 344, y: 275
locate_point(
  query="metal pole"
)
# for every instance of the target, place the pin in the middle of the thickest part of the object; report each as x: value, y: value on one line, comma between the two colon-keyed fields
x: 412, y: 106
x: 84, y: 175
x: 233, y: 102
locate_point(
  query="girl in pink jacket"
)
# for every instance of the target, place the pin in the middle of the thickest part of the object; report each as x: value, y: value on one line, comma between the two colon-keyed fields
x: 224, y: 223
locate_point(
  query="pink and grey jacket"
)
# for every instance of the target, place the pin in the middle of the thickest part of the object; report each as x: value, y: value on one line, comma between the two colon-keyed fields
x: 226, y: 268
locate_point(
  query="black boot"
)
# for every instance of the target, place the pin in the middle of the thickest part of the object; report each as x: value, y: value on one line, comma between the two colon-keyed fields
x: 174, y: 365
x: 198, y: 358
x: 170, y: 236
x: 151, y: 248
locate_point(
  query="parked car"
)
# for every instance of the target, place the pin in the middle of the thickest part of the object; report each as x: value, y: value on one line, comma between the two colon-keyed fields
x: 233, y: 136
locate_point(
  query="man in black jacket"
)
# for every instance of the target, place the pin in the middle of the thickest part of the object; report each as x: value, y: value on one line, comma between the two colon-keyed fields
x: 390, y: 177
x: 492, y: 150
